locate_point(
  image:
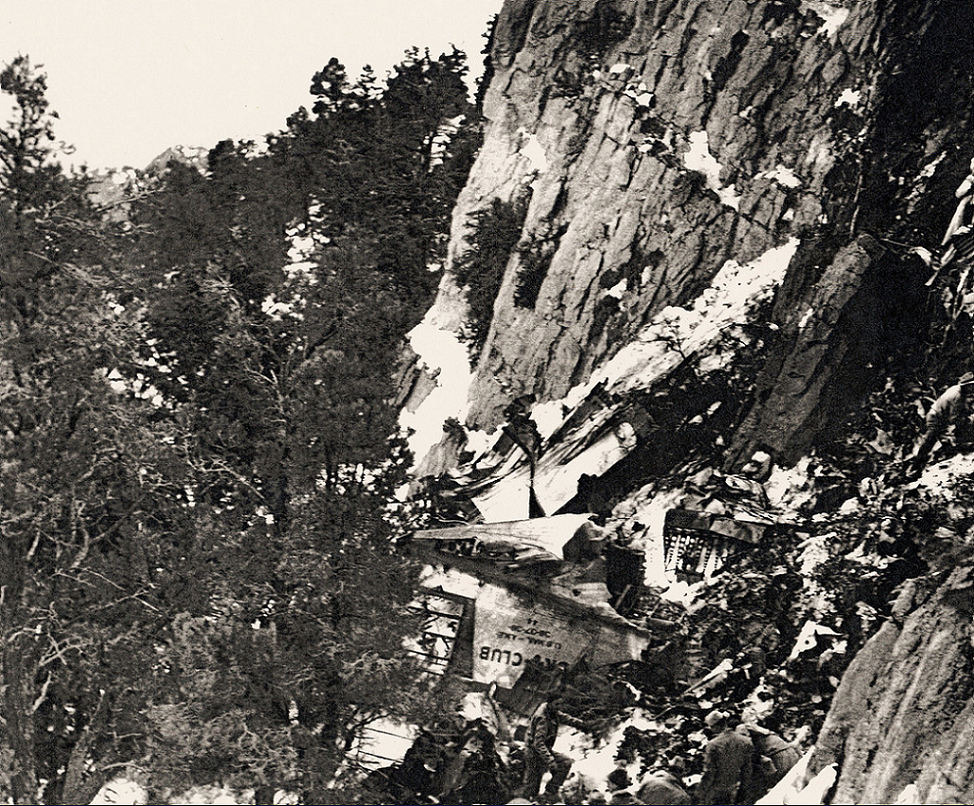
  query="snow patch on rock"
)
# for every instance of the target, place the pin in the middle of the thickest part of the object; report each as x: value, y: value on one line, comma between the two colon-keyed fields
x: 699, y: 158
x: 444, y: 356
x: 931, y: 168
x: 941, y: 477
x: 819, y: 157
x: 677, y: 332
x: 618, y: 289
x: 783, y: 176
x: 674, y: 333
x: 850, y: 98
x: 832, y: 14
x: 533, y: 151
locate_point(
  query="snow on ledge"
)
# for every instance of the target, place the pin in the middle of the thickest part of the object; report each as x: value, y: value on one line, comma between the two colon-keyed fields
x: 699, y: 158
x: 444, y: 356
x: 677, y: 332
x: 730, y: 299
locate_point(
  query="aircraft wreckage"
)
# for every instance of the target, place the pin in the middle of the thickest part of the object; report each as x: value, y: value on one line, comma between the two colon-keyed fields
x: 542, y: 594
x: 538, y: 582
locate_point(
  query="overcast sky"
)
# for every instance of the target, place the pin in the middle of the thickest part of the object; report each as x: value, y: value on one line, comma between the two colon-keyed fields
x: 129, y: 78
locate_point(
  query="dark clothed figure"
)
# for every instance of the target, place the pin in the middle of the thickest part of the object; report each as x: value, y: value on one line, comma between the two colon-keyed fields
x: 414, y: 780
x: 663, y: 789
x: 783, y: 756
x: 539, y: 757
x: 952, y: 408
x: 475, y: 774
x: 726, y: 768
x: 773, y: 758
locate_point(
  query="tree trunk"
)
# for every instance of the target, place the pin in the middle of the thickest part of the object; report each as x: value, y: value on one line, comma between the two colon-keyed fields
x: 81, y: 786
x: 19, y: 730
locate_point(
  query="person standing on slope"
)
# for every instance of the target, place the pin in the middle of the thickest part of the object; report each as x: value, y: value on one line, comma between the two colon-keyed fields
x: 727, y: 763
x: 954, y: 407
x: 539, y: 757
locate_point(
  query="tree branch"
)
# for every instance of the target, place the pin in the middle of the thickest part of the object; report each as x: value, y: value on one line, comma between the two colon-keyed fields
x: 39, y: 701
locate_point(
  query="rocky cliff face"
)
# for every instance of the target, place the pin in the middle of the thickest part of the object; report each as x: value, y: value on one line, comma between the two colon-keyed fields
x: 903, y: 716
x: 655, y: 141
x: 724, y: 206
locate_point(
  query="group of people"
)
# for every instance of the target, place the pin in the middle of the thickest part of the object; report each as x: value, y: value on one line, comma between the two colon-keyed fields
x: 741, y: 763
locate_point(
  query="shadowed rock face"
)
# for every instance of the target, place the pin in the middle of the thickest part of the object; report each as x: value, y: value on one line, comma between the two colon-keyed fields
x: 903, y: 714
x: 658, y: 140
x: 654, y: 142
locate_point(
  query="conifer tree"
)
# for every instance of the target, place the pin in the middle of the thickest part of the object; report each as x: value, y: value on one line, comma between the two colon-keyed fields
x: 285, y: 376
x: 90, y: 487
x: 197, y: 448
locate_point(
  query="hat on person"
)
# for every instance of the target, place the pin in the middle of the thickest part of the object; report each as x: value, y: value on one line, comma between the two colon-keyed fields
x: 715, y: 718
x: 677, y: 765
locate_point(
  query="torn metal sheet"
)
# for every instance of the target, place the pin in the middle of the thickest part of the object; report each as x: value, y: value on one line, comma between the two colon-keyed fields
x: 556, y: 475
x: 506, y: 542
x: 512, y: 627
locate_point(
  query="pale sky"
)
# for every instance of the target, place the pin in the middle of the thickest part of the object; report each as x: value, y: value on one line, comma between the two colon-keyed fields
x: 129, y: 78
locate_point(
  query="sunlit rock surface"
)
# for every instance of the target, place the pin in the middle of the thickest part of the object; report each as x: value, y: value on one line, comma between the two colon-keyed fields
x: 659, y: 140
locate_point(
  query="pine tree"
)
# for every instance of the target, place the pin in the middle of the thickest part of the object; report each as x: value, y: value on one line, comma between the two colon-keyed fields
x: 198, y: 453
x: 89, y: 485
x: 284, y: 375
x: 370, y: 161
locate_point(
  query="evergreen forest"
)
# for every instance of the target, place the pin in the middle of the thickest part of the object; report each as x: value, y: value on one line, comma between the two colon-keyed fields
x: 200, y: 572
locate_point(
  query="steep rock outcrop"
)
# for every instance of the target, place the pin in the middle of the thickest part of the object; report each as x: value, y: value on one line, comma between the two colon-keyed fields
x: 658, y: 143
x: 827, y: 345
x: 657, y: 140
x: 903, y: 715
